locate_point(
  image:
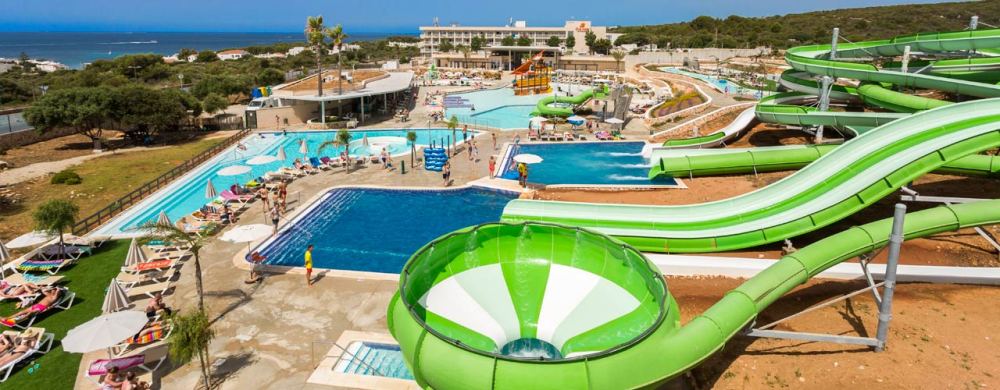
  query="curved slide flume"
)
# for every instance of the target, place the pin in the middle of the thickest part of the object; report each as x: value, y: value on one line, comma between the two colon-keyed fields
x: 532, y: 287
x: 835, y: 186
x: 719, y: 137
x: 543, y: 106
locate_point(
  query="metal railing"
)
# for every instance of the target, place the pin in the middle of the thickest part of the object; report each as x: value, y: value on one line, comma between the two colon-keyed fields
x: 110, y: 211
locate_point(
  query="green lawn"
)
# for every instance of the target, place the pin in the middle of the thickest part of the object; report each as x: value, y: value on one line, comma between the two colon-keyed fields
x: 88, y: 279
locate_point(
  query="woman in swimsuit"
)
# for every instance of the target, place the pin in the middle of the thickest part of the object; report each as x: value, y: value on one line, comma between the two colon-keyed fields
x: 26, y: 343
x: 111, y: 381
x: 11, y: 291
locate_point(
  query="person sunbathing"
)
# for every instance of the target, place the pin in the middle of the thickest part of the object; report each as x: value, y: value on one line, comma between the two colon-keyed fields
x: 133, y: 383
x: 11, y: 291
x: 149, y: 330
x: 24, y: 344
x: 6, y: 344
x: 110, y: 381
x: 156, y: 305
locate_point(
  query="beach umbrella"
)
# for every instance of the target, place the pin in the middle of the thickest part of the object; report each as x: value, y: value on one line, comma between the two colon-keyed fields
x: 210, y: 190
x: 115, y: 299
x: 527, y: 158
x: 281, y: 154
x: 248, y: 233
x: 163, y: 219
x: 261, y: 160
x: 4, y: 254
x: 30, y: 239
x: 614, y: 121
x: 105, y: 331
x: 535, y: 121
x: 576, y: 120
x: 303, y: 148
x: 135, y: 254
x: 234, y: 170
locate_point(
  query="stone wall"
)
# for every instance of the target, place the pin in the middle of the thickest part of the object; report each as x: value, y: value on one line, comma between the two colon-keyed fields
x: 21, y: 138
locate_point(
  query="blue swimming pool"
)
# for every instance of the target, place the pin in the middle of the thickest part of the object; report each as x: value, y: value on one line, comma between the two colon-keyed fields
x: 186, y: 194
x: 587, y: 163
x: 376, y: 230
x: 368, y: 358
x: 720, y: 84
x: 500, y: 108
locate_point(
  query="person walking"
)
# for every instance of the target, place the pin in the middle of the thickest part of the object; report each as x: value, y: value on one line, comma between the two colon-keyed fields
x: 309, y: 265
x: 493, y: 167
x: 494, y: 135
x: 446, y: 172
x: 262, y: 193
x: 522, y: 174
x: 283, y: 195
x: 470, y: 146
x: 465, y: 132
x: 275, y: 216
x: 475, y: 151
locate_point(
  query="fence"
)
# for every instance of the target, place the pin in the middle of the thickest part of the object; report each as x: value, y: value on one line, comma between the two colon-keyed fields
x: 110, y: 211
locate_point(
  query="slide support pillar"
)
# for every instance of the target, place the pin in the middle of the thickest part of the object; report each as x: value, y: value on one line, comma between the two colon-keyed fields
x: 826, y: 86
x: 885, y: 307
x: 974, y: 22
x: 833, y: 43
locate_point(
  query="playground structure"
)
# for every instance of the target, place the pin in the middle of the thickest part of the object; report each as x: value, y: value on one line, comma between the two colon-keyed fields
x: 532, y: 77
x: 529, y: 302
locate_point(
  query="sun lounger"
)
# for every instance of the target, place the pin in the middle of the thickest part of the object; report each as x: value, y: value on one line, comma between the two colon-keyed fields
x: 149, y: 266
x: 42, y: 344
x: 148, y: 290
x: 568, y: 136
x: 19, y: 279
x: 57, y: 251
x: 242, y: 200
x: 292, y: 171
x: 197, y: 227
x: 277, y: 176
x: 131, y: 343
x: 51, y: 267
x: 148, y: 359
x: 130, y: 280
x: 160, y: 246
x: 318, y: 164
x: 25, y: 318
x: 93, y: 241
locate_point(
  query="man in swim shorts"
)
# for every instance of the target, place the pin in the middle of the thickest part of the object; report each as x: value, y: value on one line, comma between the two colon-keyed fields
x: 309, y: 265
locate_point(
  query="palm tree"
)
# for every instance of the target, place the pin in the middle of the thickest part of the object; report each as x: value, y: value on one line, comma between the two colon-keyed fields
x: 190, y: 336
x: 411, y: 137
x: 55, y: 216
x: 452, y: 125
x: 315, y: 36
x: 466, y: 51
x: 618, y: 55
x: 338, y: 36
x: 343, y: 138
x: 170, y: 233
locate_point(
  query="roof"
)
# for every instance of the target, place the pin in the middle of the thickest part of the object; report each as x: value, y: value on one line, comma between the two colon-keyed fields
x: 235, y: 51
x: 397, y: 81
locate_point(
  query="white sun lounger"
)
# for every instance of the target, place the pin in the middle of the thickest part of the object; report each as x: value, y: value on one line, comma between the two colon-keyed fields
x: 147, y: 291
x: 42, y: 344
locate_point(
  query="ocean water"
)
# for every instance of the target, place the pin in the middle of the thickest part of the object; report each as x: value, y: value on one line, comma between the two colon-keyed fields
x: 74, y: 49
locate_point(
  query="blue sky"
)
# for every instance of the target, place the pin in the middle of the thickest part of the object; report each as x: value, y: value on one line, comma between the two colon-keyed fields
x: 372, y: 15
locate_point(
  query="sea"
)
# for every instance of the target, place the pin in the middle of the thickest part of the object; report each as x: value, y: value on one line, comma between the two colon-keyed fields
x: 75, y: 49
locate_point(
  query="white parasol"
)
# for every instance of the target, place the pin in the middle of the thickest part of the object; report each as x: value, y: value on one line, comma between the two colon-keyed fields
x: 30, y: 239
x: 115, y: 299
x: 303, y: 148
x: 248, y: 233
x: 163, y: 219
x: 281, y: 154
x: 527, y: 158
x: 210, y: 190
x: 234, y: 170
x: 104, y: 332
x: 261, y: 160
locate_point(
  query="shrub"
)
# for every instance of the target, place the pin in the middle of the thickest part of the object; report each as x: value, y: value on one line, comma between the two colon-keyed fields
x: 66, y: 177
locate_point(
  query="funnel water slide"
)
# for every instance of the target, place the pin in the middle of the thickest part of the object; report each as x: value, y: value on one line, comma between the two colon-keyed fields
x: 546, y: 307
x: 836, y: 185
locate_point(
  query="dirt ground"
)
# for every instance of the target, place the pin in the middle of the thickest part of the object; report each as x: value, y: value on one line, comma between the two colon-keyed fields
x: 939, y: 338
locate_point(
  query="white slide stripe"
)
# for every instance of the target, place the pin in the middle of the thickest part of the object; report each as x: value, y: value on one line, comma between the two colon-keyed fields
x: 566, y: 288
x: 449, y: 300
x: 605, y: 302
x: 486, y: 285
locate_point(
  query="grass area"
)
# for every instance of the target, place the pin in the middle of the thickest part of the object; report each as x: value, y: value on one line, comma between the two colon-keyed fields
x: 88, y: 279
x: 105, y: 179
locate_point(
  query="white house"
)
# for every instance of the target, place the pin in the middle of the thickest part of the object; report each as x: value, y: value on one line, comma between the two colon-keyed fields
x: 270, y: 55
x: 228, y: 55
x: 295, y: 51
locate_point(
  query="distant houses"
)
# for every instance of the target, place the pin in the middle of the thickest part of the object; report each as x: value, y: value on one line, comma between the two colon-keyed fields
x: 231, y: 55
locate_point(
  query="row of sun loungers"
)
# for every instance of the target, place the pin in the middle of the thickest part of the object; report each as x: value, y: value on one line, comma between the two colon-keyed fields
x: 27, y: 343
x: 533, y: 135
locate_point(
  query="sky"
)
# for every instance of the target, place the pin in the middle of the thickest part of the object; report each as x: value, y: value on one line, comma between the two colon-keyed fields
x: 373, y: 15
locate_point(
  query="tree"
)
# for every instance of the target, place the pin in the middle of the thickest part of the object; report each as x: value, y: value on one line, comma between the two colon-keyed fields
x: 156, y: 231
x: 601, y: 46
x: 191, y: 104
x: 190, y: 337
x: 270, y: 76
x: 213, y: 103
x: 476, y: 44
x: 553, y: 41
x: 452, y: 125
x: 618, y: 55
x: 411, y: 138
x: 570, y: 42
x: 343, y: 138
x: 316, y: 37
x: 207, y: 56
x: 446, y: 46
x: 590, y: 38
x: 337, y: 36
x: 466, y: 52
x: 507, y: 41
x: 55, y: 216
x: 184, y: 53
x: 86, y: 110
x: 523, y: 40
x: 143, y: 108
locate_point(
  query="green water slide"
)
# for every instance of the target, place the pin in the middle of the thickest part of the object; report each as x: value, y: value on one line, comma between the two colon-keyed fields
x: 834, y: 186
x: 733, y: 161
x: 537, y: 306
x: 543, y: 107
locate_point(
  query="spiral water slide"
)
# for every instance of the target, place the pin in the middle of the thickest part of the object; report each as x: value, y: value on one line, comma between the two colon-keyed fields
x: 892, y: 149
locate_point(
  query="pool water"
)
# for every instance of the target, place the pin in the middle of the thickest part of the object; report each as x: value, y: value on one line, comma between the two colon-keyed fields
x: 367, y: 358
x: 377, y: 230
x: 587, y: 163
x: 506, y: 117
x: 500, y: 108
x: 722, y: 85
x: 187, y: 194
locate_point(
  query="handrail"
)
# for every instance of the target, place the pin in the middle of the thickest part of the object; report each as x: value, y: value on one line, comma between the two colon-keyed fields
x: 121, y: 204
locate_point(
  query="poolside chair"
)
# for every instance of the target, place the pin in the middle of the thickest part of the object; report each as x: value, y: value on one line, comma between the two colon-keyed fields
x: 50, y: 267
x: 151, y: 266
x: 93, y: 241
x: 134, y: 342
x: 231, y: 197
x: 57, y: 251
x: 292, y: 171
x: 148, y: 358
x: 25, y: 318
x: 318, y: 164
x: 24, y: 300
x: 305, y: 168
x: 19, y: 279
x: 158, y: 246
x: 569, y: 136
x: 129, y: 280
x: 271, y: 177
x: 148, y: 290
x: 42, y: 344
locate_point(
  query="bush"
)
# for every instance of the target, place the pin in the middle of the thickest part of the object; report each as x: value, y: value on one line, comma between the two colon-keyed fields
x: 66, y: 177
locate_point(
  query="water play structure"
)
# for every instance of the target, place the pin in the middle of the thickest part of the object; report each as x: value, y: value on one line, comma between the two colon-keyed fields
x: 558, y: 296
x: 532, y: 77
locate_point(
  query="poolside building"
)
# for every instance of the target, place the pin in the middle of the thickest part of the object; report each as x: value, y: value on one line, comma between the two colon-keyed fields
x: 496, y: 55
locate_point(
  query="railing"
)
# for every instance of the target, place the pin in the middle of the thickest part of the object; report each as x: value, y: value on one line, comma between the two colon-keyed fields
x: 110, y: 211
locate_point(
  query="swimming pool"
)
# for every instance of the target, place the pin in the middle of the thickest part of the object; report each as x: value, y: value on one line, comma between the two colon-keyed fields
x: 722, y: 85
x: 186, y: 194
x: 587, y: 163
x: 368, y: 358
x: 500, y: 108
x: 378, y: 229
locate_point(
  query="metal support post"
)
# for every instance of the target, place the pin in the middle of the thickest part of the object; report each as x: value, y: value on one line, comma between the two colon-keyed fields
x: 974, y: 22
x: 906, y: 58
x: 833, y: 43
x: 885, y: 309
x: 826, y: 85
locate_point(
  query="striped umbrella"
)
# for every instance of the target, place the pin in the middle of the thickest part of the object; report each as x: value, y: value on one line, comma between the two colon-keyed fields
x: 115, y: 299
x: 164, y: 220
x: 4, y: 254
x: 210, y: 190
x: 135, y: 254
